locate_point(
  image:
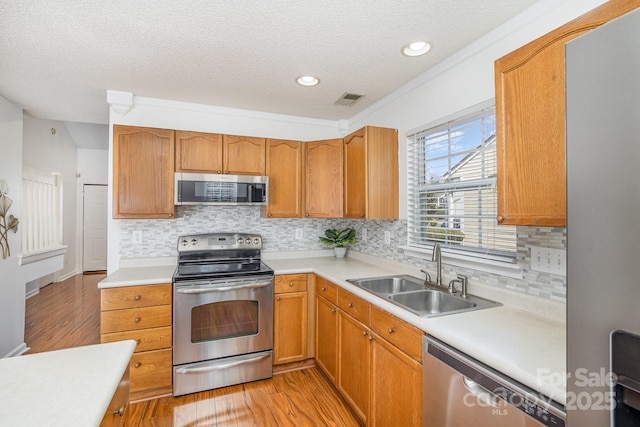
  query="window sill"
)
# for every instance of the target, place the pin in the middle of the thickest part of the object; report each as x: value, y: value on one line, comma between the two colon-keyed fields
x: 503, y: 267
x: 26, y: 259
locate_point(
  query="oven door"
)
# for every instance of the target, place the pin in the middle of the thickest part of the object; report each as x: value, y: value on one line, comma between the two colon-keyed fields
x: 220, y: 318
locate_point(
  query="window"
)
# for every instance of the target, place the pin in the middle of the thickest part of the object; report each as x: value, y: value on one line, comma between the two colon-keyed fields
x: 42, y: 211
x: 452, y: 196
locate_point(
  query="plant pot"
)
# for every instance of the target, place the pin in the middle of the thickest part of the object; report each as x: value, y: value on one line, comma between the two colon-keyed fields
x: 340, y: 252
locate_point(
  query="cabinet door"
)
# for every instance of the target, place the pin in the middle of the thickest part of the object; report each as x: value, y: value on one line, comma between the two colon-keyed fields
x: 327, y: 337
x: 396, y: 386
x: 244, y: 155
x: 530, y: 123
x: 355, y: 175
x: 151, y: 373
x: 143, y: 167
x: 353, y: 364
x: 323, y: 179
x: 198, y: 152
x: 290, y: 327
x: 284, y: 169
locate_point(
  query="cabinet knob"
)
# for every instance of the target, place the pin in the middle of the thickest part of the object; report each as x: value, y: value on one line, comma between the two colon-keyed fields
x: 278, y: 298
x: 324, y: 289
x: 137, y: 342
x: 219, y: 171
x: 307, y: 215
x: 291, y: 284
x: 137, y: 365
x: 500, y: 219
x: 350, y: 305
x: 137, y: 297
x: 371, y: 337
x: 137, y: 320
x: 333, y: 310
x: 119, y: 411
x: 391, y: 330
x: 365, y: 333
x: 269, y: 215
x: 362, y: 216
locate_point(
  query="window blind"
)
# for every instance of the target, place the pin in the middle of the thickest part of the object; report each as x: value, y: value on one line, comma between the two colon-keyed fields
x: 42, y: 211
x: 452, y: 197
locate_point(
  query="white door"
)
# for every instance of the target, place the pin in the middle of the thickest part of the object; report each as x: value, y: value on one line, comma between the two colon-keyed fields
x: 95, y: 228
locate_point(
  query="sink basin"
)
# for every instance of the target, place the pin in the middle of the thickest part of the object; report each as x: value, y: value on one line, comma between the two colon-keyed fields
x: 388, y: 285
x: 426, y: 303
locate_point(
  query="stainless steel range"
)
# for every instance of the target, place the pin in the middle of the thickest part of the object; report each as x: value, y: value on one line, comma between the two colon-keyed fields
x: 222, y: 312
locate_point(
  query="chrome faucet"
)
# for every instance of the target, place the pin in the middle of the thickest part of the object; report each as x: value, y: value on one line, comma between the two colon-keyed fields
x: 436, y: 256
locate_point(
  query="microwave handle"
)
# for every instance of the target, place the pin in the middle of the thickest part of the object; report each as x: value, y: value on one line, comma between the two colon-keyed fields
x: 250, y: 193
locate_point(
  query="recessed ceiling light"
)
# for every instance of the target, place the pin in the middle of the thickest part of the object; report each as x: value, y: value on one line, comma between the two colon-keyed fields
x: 307, y: 80
x: 416, y: 48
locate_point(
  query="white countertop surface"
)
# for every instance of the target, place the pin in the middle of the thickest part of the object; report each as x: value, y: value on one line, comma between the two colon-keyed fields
x: 521, y: 344
x: 70, y: 387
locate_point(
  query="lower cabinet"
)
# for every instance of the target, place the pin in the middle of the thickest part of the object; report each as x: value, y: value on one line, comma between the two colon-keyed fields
x: 372, y: 357
x: 114, y: 416
x: 143, y: 314
x: 290, y: 318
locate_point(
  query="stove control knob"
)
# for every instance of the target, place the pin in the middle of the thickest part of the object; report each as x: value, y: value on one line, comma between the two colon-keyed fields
x: 194, y: 242
x: 184, y: 242
x: 240, y: 241
x: 256, y: 240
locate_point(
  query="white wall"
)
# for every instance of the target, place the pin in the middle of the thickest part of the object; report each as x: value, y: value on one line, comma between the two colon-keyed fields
x: 12, y: 305
x: 47, y: 152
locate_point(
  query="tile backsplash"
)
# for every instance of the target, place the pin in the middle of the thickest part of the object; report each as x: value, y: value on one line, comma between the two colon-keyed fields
x: 160, y: 237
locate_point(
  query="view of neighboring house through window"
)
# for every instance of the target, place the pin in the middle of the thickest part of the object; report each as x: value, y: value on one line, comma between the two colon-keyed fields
x: 452, y: 195
x: 42, y: 211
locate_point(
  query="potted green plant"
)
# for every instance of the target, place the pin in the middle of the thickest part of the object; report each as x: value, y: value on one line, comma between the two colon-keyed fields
x: 339, y: 239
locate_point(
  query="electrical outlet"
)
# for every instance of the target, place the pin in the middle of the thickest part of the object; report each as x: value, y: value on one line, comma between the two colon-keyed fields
x: 387, y: 237
x: 136, y: 237
x: 363, y: 235
x: 547, y: 260
x: 299, y: 234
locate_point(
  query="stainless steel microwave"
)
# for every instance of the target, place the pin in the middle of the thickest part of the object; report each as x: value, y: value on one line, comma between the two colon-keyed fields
x: 215, y: 189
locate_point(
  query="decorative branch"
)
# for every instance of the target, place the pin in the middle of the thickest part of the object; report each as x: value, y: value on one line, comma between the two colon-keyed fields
x: 12, y: 224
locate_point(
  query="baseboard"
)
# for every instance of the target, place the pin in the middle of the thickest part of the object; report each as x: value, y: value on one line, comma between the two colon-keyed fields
x: 22, y: 348
x: 68, y: 275
x: 32, y: 293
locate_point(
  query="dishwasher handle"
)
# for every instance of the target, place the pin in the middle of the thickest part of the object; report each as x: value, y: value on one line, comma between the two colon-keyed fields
x: 481, y: 393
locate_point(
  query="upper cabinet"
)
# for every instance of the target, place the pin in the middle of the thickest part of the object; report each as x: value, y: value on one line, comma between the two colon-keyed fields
x: 143, y: 167
x: 198, y: 152
x: 530, y: 122
x: 371, y: 173
x: 215, y: 153
x: 324, y: 178
x: 244, y: 155
x: 284, y: 168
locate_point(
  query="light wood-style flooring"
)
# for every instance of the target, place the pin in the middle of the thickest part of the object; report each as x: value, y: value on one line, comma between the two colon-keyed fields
x: 67, y: 314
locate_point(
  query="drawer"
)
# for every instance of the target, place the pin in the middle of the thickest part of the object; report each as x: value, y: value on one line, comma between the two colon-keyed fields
x: 135, y: 318
x: 327, y: 289
x: 353, y: 305
x: 116, y: 411
x: 290, y: 283
x: 135, y: 296
x: 406, y: 337
x: 151, y: 370
x: 147, y: 339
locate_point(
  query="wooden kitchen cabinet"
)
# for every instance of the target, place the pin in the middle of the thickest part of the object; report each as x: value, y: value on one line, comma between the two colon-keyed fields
x: 285, y: 162
x: 324, y: 179
x: 143, y: 169
x: 371, y: 173
x: 326, y: 324
x: 198, y: 152
x: 143, y: 314
x: 117, y: 409
x: 530, y: 122
x: 244, y: 155
x: 290, y: 318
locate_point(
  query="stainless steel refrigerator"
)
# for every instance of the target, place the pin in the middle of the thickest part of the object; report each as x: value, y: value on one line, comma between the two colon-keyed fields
x: 603, y: 219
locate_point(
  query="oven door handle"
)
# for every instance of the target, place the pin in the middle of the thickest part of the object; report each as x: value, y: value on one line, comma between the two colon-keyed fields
x: 208, y: 368
x: 204, y: 290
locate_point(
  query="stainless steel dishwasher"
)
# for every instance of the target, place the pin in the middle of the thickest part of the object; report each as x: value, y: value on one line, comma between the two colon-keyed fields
x: 459, y: 391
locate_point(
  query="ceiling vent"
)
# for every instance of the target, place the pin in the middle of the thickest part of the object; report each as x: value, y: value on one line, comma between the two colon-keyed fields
x: 348, y: 99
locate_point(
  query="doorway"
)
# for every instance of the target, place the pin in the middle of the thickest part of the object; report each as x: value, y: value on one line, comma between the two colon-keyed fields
x: 94, y: 229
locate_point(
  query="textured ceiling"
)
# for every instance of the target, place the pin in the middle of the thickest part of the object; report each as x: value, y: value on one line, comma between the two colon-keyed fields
x: 58, y: 58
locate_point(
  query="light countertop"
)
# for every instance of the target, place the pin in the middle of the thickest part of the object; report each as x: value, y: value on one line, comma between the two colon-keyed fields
x: 525, y: 346
x: 70, y: 387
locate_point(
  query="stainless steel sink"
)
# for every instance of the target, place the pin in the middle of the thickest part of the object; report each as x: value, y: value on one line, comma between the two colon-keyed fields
x: 389, y: 285
x: 422, y: 298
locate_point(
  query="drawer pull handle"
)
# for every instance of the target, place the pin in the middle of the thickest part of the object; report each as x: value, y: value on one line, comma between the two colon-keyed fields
x: 137, y: 365
x: 324, y: 289
x: 365, y: 333
x: 350, y: 305
x: 391, y: 330
x: 137, y: 297
x: 371, y: 337
x: 291, y: 283
x: 119, y: 411
x: 137, y: 320
x: 278, y: 298
x: 333, y: 310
